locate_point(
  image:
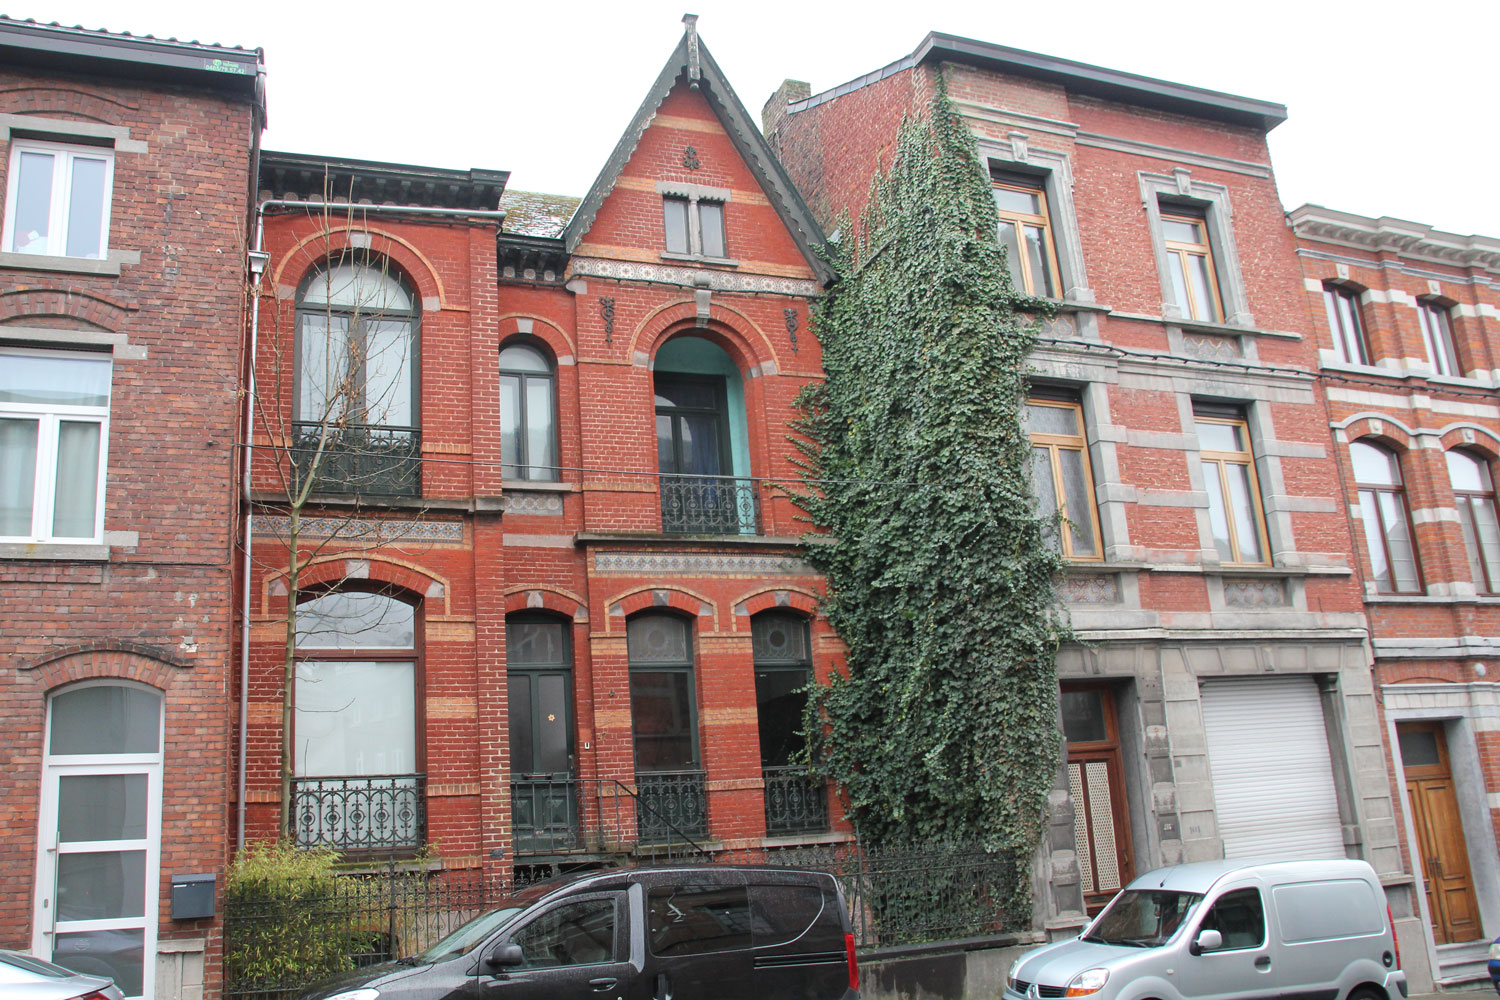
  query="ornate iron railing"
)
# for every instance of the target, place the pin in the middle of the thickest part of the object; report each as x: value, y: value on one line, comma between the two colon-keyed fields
x: 709, y: 505
x: 378, y: 813
x: 545, y: 814
x: 670, y: 804
x: 360, y: 459
x: 796, y: 802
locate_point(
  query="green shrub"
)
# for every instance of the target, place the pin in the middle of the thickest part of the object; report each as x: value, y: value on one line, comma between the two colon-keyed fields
x: 286, y: 918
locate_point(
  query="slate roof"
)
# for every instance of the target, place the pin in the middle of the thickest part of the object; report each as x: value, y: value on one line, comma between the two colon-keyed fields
x: 692, y: 57
x: 531, y: 213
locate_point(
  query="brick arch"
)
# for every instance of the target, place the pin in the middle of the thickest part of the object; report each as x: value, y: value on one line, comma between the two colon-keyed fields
x: 554, y: 599
x: 1471, y: 437
x: 314, y: 248
x: 366, y: 569
x: 784, y: 598
x: 103, y: 661
x: 1381, y: 427
x: 556, y: 339
x: 56, y: 101
x: 745, y: 343
x: 648, y: 597
x: 30, y: 303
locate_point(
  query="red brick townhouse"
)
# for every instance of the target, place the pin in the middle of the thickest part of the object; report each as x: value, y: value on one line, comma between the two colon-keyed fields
x: 127, y: 180
x: 550, y: 606
x: 1407, y: 325
x: 1221, y: 702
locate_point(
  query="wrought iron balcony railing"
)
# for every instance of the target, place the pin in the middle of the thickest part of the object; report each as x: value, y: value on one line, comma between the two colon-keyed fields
x: 796, y: 802
x: 670, y: 804
x: 709, y: 505
x: 361, y: 459
x: 377, y: 813
x: 545, y: 814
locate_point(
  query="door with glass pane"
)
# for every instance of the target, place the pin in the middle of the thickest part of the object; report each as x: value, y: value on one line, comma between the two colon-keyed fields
x: 99, y: 835
x: 544, y: 792
x: 692, y: 450
x: 1101, y: 820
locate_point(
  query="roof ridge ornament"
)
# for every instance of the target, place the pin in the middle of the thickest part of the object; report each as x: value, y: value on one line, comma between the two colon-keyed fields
x: 691, y: 20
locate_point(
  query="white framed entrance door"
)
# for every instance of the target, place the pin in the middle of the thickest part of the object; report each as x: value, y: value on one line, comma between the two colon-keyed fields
x: 95, y: 902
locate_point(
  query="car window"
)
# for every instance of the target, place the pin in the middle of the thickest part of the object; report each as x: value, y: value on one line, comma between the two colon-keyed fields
x: 803, y: 914
x: 577, y: 933
x: 1239, y: 917
x: 692, y: 920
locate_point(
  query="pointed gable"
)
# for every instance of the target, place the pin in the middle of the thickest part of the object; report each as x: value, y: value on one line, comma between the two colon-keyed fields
x: 691, y: 137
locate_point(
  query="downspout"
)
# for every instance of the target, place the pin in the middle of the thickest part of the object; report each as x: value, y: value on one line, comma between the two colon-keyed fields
x: 258, y: 259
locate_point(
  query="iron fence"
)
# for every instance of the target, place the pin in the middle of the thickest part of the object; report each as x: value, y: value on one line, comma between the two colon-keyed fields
x: 671, y: 805
x: 375, y: 813
x: 360, y: 459
x: 281, y: 938
x: 796, y: 802
x: 709, y: 505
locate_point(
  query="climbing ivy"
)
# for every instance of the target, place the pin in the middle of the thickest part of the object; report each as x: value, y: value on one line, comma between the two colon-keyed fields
x: 940, y: 581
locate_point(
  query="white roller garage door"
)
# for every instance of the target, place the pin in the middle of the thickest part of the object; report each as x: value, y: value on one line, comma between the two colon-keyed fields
x: 1273, y: 780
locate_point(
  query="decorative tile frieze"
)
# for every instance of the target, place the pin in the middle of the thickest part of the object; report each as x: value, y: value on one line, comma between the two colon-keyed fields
x: 368, y: 530
x: 1255, y: 593
x: 699, y: 564
x: 1094, y: 588
x: 1062, y: 326
x: 719, y: 281
x: 522, y: 502
x: 1211, y: 348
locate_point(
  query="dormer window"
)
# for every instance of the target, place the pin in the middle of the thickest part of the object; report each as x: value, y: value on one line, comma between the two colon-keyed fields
x: 693, y: 221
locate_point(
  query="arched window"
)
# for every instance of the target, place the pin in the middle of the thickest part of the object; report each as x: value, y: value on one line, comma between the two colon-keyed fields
x: 539, y: 662
x: 355, y: 747
x: 357, y: 379
x: 100, y: 839
x: 1346, y: 323
x: 528, y: 414
x: 702, y: 441
x: 1382, y: 505
x: 796, y: 802
x: 664, y: 718
x: 1474, y: 489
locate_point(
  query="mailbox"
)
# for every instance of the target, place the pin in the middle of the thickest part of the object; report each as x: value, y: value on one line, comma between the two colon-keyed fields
x: 192, y: 896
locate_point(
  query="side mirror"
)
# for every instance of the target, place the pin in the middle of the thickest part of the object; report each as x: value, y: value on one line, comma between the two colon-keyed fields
x: 504, y: 954
x: 1208, y: 940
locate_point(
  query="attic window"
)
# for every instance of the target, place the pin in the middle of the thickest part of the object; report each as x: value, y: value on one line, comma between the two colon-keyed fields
x: 693, y: 221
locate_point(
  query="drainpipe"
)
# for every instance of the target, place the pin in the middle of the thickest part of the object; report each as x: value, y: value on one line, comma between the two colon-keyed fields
x: 258, y: 260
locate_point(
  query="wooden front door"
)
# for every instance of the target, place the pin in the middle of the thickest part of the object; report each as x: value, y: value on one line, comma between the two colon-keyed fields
x: 1101, y: 822
x: 1440, y: 832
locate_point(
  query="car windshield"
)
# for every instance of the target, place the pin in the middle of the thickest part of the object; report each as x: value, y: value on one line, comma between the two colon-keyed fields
x: 467, y: 937
x: 1142, y: 918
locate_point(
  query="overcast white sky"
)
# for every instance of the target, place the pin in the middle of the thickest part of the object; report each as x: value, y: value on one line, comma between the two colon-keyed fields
x: 1392, y: 104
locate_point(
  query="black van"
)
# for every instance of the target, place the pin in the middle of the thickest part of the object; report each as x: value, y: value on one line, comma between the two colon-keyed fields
x: 707, y: 933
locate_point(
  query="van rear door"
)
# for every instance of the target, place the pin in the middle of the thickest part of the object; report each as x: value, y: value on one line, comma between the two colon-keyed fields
x: 698, y: 937
x: 1325, y: 927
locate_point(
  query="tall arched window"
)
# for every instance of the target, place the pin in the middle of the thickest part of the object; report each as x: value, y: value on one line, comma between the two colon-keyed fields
x: 355, y: 748
x: 544, y: 801
x: 1382, y: 505
x: 528, y: 414
x: 796, y: 802
x: 100, y: 833
x: 357, y: 403
x: 1474, y: 489
x: 664, y: 718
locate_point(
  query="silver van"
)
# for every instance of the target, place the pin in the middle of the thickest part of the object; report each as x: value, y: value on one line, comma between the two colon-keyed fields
x: 1228, y: 930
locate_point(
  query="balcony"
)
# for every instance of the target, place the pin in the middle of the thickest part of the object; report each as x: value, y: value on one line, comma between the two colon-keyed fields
x: 796, y: 802
x: 376, y: 813
x: 360, y: 459
x: 709, y: 505
x: 664, y: 815
x: 671, y: 803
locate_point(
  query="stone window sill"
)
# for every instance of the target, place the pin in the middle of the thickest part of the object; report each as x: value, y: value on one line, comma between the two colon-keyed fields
x: 109, y: 267
x: 55, y: 551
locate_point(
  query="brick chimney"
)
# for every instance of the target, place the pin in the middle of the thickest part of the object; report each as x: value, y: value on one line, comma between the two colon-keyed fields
x: 774, y: 113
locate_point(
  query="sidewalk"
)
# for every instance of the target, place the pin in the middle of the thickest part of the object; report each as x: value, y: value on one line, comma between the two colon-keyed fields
x: 1468, y: 992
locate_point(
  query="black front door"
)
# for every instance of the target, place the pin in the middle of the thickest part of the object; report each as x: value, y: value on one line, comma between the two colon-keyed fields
x: 692, y: 452
x: 544, y: 794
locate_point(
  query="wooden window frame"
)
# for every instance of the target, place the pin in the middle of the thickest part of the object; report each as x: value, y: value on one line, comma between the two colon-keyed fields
x: 1398, y: 491
x: 1343, y: 338
x: 1069, y: 442
x: 1247, y: 459
x: 1022, y: 219
x: 1177, y: 254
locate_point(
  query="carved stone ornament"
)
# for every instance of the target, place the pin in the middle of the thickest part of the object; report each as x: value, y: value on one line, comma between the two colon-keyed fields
x: 690, y: 158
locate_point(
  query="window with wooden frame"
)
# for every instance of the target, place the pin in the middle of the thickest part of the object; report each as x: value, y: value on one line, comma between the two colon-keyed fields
x: 1345, y: 323
x: 1235, y: 514
x: 1061, y: 475
x: 1026, y: 234
x: 1474, y: 489
x: 1096, y: 782
x: 1190, y: 261
x: 1387, y: 526
x: 1437, y: 338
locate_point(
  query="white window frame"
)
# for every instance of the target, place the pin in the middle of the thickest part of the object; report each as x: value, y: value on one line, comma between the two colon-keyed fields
x: 49, y: 416
x: 63, y: 156
x: 1436, y: 322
